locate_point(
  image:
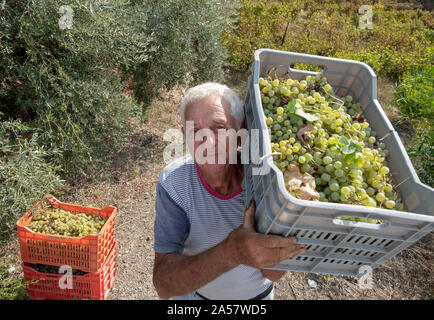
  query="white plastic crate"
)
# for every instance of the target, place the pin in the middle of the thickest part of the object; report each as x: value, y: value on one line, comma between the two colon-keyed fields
x: 334, y: 246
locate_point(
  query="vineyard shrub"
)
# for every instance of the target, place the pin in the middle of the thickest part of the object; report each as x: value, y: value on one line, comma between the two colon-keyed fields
x: 398, y: 42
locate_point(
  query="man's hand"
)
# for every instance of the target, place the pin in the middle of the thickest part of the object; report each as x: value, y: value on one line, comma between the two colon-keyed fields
x: 273, y: 275
x: 245, y: 246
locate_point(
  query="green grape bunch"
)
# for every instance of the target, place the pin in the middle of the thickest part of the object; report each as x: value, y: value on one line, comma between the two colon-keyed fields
x: 65, y: 223
x: 325, y: 148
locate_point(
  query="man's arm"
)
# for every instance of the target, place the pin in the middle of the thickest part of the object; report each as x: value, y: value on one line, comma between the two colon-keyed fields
x: 177, y: 274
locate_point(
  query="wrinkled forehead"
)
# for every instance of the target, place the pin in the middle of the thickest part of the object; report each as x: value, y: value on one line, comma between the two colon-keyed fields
x: 206, y: 112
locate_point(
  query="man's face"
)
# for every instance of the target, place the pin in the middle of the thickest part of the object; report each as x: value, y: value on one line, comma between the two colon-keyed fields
x: 210, y: 113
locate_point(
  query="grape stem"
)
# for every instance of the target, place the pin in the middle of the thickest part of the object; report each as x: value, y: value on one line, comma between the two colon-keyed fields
x: 402, y: 182
x: 386, y: 135
x: 267, y: 155
x: 336, y: 98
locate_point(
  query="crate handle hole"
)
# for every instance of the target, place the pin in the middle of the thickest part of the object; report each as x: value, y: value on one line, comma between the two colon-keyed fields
x: 314, y: 68
x: 362, y: 223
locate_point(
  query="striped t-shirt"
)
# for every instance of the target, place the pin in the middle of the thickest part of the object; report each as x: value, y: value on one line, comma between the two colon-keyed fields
x: 192, y: 218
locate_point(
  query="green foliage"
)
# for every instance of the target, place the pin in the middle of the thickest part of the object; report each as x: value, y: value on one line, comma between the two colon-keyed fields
x: 261, y: 24
x: 183, y: 46
x: 11, y: 288
x: 25, y: 174
x: 415, y: 97
x: 388, y: 61
x: 415, y: 94
x: 64, y: 86
x: 62, y: 90
x: 63, y: 82
x: 423, y: 154
x: 65, y: 91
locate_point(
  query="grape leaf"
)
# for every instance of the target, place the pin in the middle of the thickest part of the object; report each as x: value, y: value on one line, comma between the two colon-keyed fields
x: 303, y: 133
x: 293, y: 178
x: 308, y: 116
x: 349, y: 157
x: 345, y: 145
x: 294, y: 117
x: 308, y: 193
x: 352, y: 151
x: 292, y: 109
x: 348, y: 146
x: 343, y: 140
x: 358, y: 159
x: 291, y: 106
x: 302, y: 185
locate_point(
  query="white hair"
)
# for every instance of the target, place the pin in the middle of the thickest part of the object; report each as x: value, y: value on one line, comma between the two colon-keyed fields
x: 210, y: 88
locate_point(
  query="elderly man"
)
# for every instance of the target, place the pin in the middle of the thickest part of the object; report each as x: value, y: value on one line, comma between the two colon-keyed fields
x: 205, y: 244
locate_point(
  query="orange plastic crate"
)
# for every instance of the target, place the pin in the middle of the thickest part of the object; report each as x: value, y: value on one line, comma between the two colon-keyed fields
x: 91, y: 286
x: 87, y: 253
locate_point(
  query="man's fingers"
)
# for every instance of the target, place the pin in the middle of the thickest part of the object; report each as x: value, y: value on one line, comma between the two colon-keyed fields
x: 274, y: 241
x: 288, y: 253
x: 249, y: 216
x: 291, y: 253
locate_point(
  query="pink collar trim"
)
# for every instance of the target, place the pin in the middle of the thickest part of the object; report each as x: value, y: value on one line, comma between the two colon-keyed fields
x: 215, y: 194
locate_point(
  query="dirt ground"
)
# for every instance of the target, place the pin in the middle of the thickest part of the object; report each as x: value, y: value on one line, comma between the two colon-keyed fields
x: 130, y: 186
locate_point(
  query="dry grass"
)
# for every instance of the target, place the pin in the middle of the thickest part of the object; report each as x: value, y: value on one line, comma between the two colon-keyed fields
x: 130, y: 186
